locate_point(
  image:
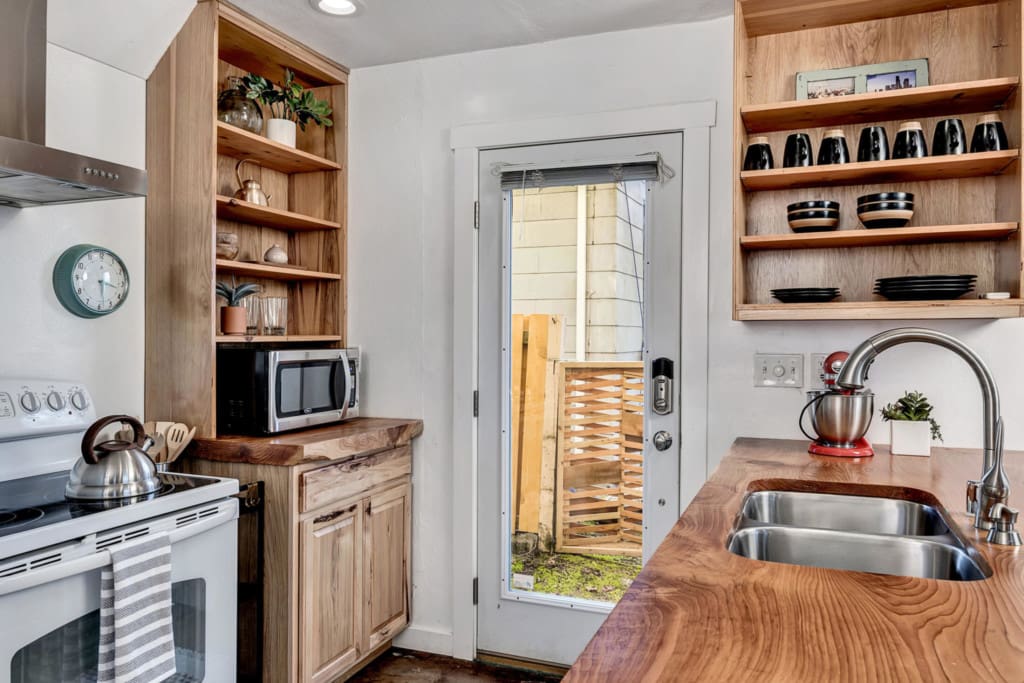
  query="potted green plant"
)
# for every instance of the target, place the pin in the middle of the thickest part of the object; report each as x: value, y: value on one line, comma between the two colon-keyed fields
x: 912, y: 427
x: 289, y: 104
x: 232, y: 316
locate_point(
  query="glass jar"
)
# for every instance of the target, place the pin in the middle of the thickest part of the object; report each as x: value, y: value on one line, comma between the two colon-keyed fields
x: 235, y: 108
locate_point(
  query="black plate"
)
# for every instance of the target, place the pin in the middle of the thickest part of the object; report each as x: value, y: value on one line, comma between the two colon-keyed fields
x: 805, y: 298
x: 804, y: 290
x: 925, y: 279
x: 924, y: 295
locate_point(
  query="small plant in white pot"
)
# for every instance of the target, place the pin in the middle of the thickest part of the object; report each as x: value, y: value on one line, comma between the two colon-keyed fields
x: 912, y: 427
x: 289, y: 104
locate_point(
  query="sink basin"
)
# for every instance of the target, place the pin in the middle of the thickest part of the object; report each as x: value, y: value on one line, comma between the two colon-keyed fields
x: 845, y: 513
x: 841, y: 530
x: 878, y: 554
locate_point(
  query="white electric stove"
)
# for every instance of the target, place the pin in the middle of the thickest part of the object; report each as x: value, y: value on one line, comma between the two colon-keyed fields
x: 52, y: 549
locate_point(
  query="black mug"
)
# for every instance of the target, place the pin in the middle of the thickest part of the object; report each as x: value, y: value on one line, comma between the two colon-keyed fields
x: 874, y: 144
x: 910, y: 143
x: 949, y: 138
x: 798, y: 151
x: 989, y: 135
x: 759, y: 155
x: 833, y: 149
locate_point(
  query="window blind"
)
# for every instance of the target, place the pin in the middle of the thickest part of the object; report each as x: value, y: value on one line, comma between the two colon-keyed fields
x: 592, y: 172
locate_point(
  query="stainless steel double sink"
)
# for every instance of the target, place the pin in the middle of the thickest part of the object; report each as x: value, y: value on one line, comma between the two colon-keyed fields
x: 835, y: 530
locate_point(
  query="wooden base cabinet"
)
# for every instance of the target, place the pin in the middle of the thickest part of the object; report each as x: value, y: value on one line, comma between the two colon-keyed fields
x: 337, y: 550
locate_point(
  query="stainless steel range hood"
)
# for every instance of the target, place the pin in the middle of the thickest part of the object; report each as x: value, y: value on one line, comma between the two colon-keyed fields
x: 32, y: 174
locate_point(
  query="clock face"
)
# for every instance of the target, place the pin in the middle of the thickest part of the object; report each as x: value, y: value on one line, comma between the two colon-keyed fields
x: 90, y: 281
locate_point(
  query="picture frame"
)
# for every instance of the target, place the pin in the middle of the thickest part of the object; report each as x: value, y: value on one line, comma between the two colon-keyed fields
x: 851, y: 80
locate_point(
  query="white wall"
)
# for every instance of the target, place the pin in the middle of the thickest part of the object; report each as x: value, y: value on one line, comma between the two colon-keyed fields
x: 400, y: 218
x: 96, y: 110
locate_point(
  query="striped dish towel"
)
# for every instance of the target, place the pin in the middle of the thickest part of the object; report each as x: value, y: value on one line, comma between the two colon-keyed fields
x: 136, y: 639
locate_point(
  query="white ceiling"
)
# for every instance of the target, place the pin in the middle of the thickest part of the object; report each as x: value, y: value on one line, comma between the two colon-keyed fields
x: 386, y: 31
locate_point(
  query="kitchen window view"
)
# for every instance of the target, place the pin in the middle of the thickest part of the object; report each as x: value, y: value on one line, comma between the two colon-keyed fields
x: 390, y: 340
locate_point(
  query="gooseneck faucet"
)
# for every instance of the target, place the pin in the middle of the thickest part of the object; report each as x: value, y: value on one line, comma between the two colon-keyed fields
x: 987, y: 497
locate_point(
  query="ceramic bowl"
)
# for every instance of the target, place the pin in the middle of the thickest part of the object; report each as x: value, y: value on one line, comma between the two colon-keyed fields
x: 885, y: 197
x: 813, y: 204
x: 885, y: 214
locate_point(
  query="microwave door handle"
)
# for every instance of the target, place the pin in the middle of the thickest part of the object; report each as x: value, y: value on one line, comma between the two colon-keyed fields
x: 102, y: 558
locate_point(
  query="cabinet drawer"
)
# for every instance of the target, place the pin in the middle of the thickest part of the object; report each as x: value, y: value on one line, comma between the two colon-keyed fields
x: 332, y: 483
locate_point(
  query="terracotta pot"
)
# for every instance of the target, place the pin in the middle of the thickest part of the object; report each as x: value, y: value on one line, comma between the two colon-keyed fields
x: 232, y: 320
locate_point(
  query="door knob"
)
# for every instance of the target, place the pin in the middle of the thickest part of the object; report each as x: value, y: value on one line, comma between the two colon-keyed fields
x: 662, y: 440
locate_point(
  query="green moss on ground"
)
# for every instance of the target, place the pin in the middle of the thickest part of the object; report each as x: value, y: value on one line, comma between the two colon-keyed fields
x: 593, y: 577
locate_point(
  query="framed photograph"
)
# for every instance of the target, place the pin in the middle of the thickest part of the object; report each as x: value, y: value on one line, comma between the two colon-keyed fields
x: 814, y: 85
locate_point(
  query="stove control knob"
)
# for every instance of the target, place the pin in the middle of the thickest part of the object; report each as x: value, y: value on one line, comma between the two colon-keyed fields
x: 55, y: 401
x: 29, y: 402
x: 79, y: 401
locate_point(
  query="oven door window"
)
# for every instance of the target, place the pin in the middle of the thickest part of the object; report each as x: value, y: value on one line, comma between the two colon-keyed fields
x: 70, y: 653
x: 307, y: 388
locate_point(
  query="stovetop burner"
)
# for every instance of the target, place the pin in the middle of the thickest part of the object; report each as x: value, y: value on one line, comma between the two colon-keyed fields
x: 38, y: 501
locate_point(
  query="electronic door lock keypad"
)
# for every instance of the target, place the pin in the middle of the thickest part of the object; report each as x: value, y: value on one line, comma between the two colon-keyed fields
x: 662, y: 370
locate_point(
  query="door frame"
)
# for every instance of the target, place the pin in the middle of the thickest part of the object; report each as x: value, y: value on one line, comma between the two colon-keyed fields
x: 694, y: 120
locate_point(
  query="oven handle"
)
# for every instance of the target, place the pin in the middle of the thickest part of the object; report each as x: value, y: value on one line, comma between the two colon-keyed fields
x: 102, y: 558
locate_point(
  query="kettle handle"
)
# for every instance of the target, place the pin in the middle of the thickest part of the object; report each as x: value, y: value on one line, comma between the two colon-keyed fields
x: 238, y: 168
x: 804, y: 411
x: 88, y: 445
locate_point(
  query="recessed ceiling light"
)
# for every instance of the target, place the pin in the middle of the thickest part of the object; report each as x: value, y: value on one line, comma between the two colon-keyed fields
x: 337, y: 7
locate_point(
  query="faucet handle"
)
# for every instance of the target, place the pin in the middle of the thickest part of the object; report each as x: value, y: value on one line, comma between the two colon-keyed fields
x: 972, y: 496
x: 1004, y: 518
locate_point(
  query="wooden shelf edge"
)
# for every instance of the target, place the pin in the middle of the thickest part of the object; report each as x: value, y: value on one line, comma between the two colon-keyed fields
x: 883, y: 310
x: 862, y: 237
x: 233, y: 141
x: 246, y: 212
x: 947, y: 98
x: 893, y: 170
x: 765, y: 17
x: 265, y: 339
x: 272, y: 272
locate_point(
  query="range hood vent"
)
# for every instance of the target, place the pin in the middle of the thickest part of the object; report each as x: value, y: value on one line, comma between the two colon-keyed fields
x: 32, y: 174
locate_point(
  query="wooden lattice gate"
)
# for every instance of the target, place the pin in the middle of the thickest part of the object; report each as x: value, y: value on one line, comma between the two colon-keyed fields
x: 600, y: 458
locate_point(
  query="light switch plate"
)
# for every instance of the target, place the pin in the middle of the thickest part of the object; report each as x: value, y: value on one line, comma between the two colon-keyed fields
x: 779, y: 370
x: 814, y: 374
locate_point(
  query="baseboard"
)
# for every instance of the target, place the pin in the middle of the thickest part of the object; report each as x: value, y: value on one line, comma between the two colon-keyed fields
x: 425, y: 639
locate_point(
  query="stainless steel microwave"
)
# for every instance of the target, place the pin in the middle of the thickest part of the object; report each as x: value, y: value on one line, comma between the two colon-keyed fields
x: 266, y: 391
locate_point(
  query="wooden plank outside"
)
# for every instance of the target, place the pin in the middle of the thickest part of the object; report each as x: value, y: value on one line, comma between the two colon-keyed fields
x: 516, y: 350
x: 531, y: 442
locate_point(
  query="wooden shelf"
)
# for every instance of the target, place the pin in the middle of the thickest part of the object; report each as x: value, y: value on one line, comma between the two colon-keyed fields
x: 763, y: 17
x: 233, y: 209
x: 863, y: 237
x: 884, y: 310
x: 242, y: 144
x: 264, y: 339
x: 270, y: 272
x: 892, y: 171
x: 932, y: 100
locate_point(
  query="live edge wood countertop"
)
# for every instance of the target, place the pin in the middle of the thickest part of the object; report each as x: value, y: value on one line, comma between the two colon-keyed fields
x: 320, y: 444
x: 699, y: 613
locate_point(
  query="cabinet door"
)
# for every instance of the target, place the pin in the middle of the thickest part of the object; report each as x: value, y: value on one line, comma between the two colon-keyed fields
x: 329, y: 593
x: 386, y: 545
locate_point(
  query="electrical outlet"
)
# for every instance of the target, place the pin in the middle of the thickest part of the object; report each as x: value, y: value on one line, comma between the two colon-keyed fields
x: 817, y: 362
x: 779, y: 370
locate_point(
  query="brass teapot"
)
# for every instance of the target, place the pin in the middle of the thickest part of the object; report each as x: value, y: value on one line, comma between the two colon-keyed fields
x: 250, y: 190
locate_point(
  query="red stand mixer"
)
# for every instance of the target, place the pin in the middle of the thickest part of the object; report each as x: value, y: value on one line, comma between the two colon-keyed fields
x: 839, y: 417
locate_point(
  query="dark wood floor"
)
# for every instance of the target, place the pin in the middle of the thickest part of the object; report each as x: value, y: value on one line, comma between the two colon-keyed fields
x: 404, y: 666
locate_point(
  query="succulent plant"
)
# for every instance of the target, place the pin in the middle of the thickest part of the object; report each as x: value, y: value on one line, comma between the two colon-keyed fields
x: 234, y: 295
x: 913, y: 407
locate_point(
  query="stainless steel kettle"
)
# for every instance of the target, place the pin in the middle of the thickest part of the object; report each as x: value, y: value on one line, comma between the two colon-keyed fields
x: 250, y: 190
x: 839, y: 418
x: 113, y: 469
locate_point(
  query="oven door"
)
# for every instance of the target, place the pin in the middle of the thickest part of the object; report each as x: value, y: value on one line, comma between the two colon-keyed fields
x: 307, y: 388
x: 49, y: 617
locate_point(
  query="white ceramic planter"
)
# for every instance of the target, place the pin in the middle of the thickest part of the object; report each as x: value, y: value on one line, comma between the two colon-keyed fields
x: 910, y: 438
x: 281, y: 130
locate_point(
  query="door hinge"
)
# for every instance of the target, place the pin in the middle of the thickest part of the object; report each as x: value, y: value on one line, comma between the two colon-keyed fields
x: 476, y: 590
x: 476, y: 215
x: 476, y: 404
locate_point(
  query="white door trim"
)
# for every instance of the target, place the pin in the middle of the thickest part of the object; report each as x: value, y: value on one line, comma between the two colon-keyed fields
x: 693, y: 119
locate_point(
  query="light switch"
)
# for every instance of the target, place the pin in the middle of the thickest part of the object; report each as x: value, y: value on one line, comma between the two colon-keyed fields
x: 779, y: 370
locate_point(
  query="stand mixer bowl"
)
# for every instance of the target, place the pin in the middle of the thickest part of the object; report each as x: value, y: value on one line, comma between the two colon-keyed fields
x: 839, y: 419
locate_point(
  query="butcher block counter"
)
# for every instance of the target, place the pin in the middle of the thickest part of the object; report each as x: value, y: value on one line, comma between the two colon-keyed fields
x: 699, y: 613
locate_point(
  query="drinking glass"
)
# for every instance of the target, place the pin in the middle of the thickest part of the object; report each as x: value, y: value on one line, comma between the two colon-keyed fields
x: 275, y: 315
x: 252, y: 315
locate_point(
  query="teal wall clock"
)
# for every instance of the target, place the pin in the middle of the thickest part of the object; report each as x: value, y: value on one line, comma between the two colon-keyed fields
x: 90, y: 281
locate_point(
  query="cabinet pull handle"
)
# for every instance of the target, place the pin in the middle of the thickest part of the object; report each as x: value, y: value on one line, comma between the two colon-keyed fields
x: 333, y: 515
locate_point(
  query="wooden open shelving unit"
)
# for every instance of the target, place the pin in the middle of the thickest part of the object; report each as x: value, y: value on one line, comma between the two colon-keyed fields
x: 191, y: 157
x: 967, y: 208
